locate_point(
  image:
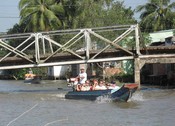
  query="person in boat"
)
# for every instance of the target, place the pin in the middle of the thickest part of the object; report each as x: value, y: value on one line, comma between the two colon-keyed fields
x: 82, y: 77
x: 85, y: 87
x: 100, y: 86
x: 112, y: 85
x: 30, y: 75
x: 95, y: 83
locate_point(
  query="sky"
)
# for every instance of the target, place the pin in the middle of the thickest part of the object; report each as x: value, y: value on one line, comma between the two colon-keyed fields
x: 9, y: 12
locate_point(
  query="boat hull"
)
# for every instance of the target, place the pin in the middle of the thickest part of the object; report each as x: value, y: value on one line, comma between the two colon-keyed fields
x: 123, y: 94
x: 33, y: 81
x: 89, y: 95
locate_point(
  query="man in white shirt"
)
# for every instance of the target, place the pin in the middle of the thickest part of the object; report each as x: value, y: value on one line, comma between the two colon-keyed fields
x: 82, y: 76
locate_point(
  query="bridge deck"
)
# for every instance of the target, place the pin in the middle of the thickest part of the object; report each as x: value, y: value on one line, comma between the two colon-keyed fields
x: 110, y: 53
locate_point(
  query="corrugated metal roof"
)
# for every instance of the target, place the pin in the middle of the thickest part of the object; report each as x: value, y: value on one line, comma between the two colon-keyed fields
x: 161, y: 35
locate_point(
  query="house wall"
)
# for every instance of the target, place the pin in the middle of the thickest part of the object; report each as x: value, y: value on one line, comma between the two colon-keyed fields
x: 159, y: 69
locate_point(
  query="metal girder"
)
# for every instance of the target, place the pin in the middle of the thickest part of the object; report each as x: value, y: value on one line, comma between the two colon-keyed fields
x: 88, y: 43
x: 127, y: 32
x: 110, y: 42
x: 63, y: 46
x: 14, y: 50
x: 43, y: 37
x: 67, y: 62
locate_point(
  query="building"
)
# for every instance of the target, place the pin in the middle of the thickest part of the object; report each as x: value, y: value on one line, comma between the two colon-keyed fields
x: 161, y: 35
x: 160, y: 73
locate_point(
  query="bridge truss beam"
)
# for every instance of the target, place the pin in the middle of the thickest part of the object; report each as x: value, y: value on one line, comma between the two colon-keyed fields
x: 38, y: 49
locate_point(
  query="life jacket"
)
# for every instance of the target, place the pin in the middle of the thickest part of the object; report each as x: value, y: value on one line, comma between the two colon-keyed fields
x: 29, y: 75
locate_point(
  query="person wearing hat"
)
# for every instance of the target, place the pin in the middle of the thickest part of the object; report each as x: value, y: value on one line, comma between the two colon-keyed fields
x: 82, y: 76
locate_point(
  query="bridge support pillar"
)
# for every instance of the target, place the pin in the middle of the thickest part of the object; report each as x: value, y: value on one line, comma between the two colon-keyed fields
x: 137, y: 70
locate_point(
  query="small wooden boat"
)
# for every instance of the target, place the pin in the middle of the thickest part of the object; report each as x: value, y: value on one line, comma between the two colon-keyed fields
x: 122, y: 94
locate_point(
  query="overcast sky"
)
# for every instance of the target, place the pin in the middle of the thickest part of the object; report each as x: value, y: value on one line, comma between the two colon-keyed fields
x: 9, y: 13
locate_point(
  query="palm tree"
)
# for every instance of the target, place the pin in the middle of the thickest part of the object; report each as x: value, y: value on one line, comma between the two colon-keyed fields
x: 41, y: 15
x: 157, y: 15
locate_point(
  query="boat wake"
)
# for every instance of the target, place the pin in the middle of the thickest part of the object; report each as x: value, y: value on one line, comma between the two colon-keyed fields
x: 52, y: 97
x: 137, y: 96
x: 103, y: 99
x: 62, y: 95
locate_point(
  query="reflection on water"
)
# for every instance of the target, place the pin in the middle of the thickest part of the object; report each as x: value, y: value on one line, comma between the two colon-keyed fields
x: 126, y: 105
x: 44, y: 105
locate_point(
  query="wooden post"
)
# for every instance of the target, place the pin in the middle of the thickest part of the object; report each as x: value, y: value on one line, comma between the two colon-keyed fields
x: 137, y: 70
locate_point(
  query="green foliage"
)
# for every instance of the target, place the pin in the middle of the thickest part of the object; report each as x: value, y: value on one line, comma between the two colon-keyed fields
x: 157, y: 15
x: 121, y: 78
x: 16, y: 29
x: 2, y: 51
x: 103, y: 13
x: 19, y: 73
x: 71, y: 9
x: 128, y: 66
x: 40, y: 71
x: 41, y: 15
x: 45, y: 15
x: 96, y: 13
x: 130, y: 42
x: 145, y: 39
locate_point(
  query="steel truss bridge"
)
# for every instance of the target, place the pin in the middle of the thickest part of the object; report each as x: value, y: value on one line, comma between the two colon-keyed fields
x: 42, y: 49
x: 76, y: 46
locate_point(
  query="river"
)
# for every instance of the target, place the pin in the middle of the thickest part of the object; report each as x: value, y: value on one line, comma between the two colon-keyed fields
x: 44, y: 105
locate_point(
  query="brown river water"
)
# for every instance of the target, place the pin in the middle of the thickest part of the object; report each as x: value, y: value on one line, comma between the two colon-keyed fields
x: 44, y: 105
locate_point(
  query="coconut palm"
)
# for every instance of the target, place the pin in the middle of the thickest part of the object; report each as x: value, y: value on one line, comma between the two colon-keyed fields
x: 157, y: 15
x: 41, y: 15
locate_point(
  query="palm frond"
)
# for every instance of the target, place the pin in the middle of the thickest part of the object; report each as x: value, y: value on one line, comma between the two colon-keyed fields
x: 40, y: 15
x: 41, y: 22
